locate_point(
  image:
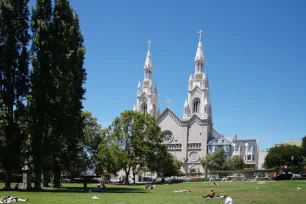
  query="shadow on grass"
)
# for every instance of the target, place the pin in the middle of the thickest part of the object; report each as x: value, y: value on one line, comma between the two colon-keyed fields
x: 82, y: 190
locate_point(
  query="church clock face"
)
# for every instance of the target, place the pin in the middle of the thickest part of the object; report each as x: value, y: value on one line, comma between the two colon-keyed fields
x: 168, y: 137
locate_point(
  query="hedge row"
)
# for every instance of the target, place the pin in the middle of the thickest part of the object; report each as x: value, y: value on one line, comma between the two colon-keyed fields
x: 243, y: 171
x: 299, y: 178
x: 199, y: 179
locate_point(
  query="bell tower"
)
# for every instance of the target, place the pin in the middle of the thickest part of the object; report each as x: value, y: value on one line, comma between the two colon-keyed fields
x: 147, y: 97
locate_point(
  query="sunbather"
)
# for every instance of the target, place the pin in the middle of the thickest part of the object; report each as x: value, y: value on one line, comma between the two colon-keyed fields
x: 10, y: 199
x: 182, y: 191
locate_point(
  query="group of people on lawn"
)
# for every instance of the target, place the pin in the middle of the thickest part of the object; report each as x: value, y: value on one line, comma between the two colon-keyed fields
x: 212, y: 194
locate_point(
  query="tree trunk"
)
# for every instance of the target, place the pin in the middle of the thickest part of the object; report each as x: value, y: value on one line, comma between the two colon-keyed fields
x: 46, y: 178
x: 8, y: 176
x: 134, y: 176
x: 56, y: 175
x: 127, y: 177
x: 37, y: 185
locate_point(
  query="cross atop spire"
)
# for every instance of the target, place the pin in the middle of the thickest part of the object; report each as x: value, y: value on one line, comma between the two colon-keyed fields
x: 200, y: 32
x: 168, y: 101
x: 149, y: 42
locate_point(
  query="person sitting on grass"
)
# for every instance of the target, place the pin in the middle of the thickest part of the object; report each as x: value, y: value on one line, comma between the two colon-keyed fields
x: 149, y: 187
x: 211, y: 194
x: 10, y: 199
x: 228, y: 200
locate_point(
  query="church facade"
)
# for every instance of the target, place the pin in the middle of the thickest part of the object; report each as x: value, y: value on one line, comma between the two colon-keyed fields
x: 185, y: 138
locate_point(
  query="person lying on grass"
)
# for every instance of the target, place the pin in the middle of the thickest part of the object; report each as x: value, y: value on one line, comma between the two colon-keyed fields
x: 10, y: 199
x: 182, y: 191
x: 211, y: 194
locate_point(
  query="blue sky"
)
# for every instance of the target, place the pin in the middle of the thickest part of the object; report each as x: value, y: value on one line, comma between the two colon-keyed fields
x: 255, y: 58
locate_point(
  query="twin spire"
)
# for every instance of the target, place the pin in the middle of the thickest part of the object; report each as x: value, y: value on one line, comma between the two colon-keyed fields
x: 200, y: 55
x: 148, y: 62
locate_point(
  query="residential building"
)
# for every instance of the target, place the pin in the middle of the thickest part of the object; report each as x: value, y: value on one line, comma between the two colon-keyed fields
x: 220, y: 143
x: 248, y: 149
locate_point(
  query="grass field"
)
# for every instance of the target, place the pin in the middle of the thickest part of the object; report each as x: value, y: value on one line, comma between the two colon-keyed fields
x: 241, y: 192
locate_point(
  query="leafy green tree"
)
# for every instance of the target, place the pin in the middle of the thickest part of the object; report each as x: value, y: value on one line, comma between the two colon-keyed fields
x: 214, y: 162
x: 206, y: 162
x: 14, y: 74
x: 68, y: 76
x: 93, y: 137
x: 42, y: 81
x: 303, y: 147
x: 280, y: 157
x: 132, y: 136
x: 163, y: 163
x: 234, y: 163
x: 110, y: 158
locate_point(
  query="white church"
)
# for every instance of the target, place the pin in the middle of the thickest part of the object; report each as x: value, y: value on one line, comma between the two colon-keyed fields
x: 186, y: 138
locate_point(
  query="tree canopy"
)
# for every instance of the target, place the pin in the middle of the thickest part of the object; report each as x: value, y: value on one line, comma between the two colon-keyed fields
x: 133, y: 143
x: 280, y: 157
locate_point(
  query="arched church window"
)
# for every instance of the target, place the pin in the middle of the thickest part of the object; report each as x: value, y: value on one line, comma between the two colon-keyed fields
x: 185, y: 110
x: 196, y: 106
x: 144, y: 108
x: 205, y: 109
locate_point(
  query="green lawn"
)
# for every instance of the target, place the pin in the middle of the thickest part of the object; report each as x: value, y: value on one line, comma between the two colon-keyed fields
x: 241, y: 192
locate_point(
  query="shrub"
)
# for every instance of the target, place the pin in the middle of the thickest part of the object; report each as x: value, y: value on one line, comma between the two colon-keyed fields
x: 299, y: 178
x: 199, y: 179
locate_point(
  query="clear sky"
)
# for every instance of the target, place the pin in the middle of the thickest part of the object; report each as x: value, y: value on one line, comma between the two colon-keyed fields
x: 255, y: 57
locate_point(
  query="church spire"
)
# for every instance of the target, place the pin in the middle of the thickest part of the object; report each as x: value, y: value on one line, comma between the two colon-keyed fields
x: 148, y: 71
x: 199, y: 58
x: 148, y: 62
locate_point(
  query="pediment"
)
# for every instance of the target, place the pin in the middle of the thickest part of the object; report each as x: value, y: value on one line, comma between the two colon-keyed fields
x: 168, y: 112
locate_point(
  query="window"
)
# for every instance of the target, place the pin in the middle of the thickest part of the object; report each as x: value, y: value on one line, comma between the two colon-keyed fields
x: 253, y: 157
x: 249, y: 157
x: 185, y: 110
x: 205, y: 109
x: 196, y: 106
x: 250, y: 148
x: 226, y: 148
x: 168, y: 137
x: 144, y: 108
x: 222, y: 141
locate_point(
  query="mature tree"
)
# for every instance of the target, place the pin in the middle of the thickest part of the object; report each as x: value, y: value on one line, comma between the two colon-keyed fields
x: 280, y: 157
x: 74, y: 120
x: 215, y: 162
x: 132, y: 137
x: 93, y: 137
x: 68, y: 92
x: 163, y: 163
x: 234, y: 163
x: 14, y: 38
x: 206, y: 162
x: 40, y: 100
x: 110, y: 157
x: 303, y: 147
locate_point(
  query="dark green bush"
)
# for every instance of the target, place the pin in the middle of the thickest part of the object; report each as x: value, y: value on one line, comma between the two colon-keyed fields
x: 199, y: 179
x: 299, y: 178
